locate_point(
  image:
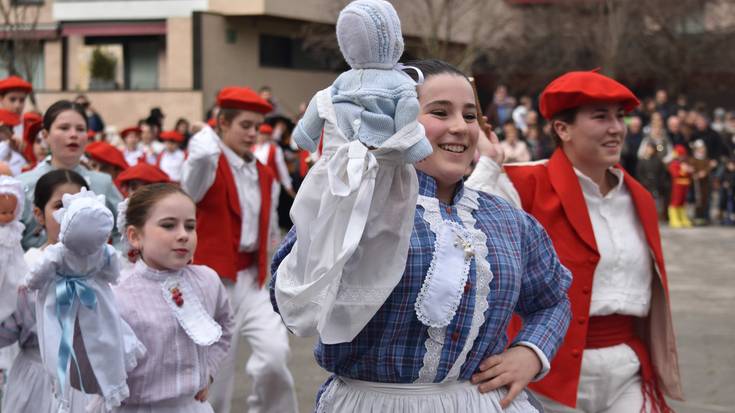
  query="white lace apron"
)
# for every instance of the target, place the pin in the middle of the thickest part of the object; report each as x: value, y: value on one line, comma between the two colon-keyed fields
x: 353, y: 216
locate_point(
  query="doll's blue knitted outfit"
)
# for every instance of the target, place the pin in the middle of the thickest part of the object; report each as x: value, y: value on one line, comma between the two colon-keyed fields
x: 375, y: 99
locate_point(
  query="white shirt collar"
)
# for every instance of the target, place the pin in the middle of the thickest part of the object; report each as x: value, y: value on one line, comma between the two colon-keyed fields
x: 590, y: 187
x: 236, y: 161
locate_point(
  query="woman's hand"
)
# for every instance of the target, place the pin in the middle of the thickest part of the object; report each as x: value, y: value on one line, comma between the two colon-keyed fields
x: 488, y: 144
x: 513, y: 368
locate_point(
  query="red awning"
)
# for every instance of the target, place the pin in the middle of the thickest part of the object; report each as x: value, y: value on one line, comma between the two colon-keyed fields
x: 114, y: 28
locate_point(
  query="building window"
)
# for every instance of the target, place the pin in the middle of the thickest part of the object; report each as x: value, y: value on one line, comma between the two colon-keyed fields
x: 24, y: 59
x: 136, y: 59
x: 289, y: 53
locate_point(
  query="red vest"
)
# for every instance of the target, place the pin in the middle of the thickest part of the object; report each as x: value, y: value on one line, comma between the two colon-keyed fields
x: 219, y: 223
x: 552, y: 194
x: 271, y: 161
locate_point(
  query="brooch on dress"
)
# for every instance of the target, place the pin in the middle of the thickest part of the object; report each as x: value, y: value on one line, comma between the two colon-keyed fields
x: 465, y: 245
x: 177, y: 296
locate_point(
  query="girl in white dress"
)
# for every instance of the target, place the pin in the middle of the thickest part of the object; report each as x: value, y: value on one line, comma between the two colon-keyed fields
x: 179, y: 311
x: 29, y: 385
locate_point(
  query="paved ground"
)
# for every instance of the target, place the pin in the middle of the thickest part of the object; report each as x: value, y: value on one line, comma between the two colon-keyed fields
x: 701, y: 266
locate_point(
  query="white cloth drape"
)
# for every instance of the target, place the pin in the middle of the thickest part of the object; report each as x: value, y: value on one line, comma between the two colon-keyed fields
x: 353, y: 216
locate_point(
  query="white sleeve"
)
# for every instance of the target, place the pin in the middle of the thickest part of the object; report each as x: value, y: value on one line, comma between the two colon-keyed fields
x: 283, y: 175
x: 200, y: 167
x: 489, y: 177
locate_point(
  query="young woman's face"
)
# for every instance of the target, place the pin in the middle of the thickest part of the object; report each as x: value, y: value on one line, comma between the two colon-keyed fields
x: 46, y: 218
x: 241, y: 134
x: 168, y: 238
x: 449, y: 115
x: 595, y: 138
x: 67, y: 137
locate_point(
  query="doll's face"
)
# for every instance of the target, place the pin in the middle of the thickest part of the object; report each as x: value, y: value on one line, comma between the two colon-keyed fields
x: 7, y: 208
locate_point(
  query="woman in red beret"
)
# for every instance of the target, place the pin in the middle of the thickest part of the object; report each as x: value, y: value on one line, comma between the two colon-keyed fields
x: 619, y: 354
x: 233, y: 195
x: 171, y: 159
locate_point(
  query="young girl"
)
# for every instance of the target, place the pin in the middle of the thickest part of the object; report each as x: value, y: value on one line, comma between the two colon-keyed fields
x: 29, y: 385
x: 179, y: 311
x: 65, y: 128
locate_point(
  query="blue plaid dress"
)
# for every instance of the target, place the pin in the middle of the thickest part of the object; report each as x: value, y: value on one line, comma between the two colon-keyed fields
x: 526, y: 278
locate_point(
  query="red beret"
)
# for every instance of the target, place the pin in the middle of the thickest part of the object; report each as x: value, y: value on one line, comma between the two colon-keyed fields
x: 15, y: 83
x: 104, y: 152
x: 680, y: 150
x: 91, y: 134
x: 242, y: 98
x: 171, y: 135
x: 265, y: 129
x: 143, y: 172
x: 132, y: 129
x: 574, y: 89
x: 32, y: 124
x: 8, y: 118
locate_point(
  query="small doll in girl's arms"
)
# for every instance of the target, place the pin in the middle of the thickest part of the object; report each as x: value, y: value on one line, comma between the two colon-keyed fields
x: 75, y: 308
x: 171, y: 304
x: 12, y: 265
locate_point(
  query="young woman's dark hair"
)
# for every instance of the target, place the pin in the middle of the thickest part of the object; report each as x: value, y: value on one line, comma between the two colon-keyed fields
x: 431, y: 67
x: 48, y: 183
x: 141, y: 202
x: 566, y: 116
x: 61, y: 106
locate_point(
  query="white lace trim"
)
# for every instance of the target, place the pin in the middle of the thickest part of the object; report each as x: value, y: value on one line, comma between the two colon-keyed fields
x: 467, y: 204
x: 421, y: 304
x: 435, y: 341
x: 326, y: 400
x: 192, y: 315
x: 116, y: 395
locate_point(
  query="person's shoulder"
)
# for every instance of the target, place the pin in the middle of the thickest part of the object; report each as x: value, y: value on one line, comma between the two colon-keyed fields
x: 494, y: 204
x: 204, y: 273
x: 523, y: 172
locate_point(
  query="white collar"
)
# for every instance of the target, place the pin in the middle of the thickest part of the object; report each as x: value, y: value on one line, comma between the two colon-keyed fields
x: 590, y: 187
x: 152, y: 274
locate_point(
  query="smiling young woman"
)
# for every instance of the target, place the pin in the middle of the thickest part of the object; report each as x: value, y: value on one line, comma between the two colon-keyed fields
x: 605, y: 228
x: 65, y: 126
x: 439, y: 336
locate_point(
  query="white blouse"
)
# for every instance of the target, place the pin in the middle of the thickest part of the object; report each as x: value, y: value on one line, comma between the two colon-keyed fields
x: 200, y: 170
x: 622, y: 278
x: 171, y: 163
x: 174, y: 366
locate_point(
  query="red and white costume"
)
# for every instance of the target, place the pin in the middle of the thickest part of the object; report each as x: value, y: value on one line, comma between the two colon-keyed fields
x: 271, y: 155
x: 619, y: 354
x: 233, y: 214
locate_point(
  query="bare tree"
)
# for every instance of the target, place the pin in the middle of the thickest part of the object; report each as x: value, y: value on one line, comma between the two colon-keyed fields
x: 21, y: 46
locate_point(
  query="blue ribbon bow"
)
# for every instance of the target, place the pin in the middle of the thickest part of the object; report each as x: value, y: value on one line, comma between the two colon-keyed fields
x: 68, y: 289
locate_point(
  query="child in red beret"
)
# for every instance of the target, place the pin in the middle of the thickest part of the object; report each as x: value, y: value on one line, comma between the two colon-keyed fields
x: 605, y: 228
x: 171, y: 159
x: 131, y: 150
x: 105, y: 158
x: 681, y: 179
x: 233, y: 193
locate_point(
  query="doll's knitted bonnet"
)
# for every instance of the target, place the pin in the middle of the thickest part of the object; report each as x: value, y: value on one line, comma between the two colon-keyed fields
x: 369, y: 34
x: 86, y: 223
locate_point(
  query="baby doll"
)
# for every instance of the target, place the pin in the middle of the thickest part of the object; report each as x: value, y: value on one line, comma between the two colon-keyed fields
x: 354, y: 212
x: 12, y: 264
x: 376, y: 99
x: 76, y: 314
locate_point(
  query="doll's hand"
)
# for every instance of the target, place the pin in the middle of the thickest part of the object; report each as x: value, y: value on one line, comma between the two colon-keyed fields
x: 514, y: 368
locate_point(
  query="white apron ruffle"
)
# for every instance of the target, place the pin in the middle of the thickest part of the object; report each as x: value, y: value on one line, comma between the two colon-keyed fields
x: 29, y: 388
x: 341, y: 270
x: 356, y: 396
